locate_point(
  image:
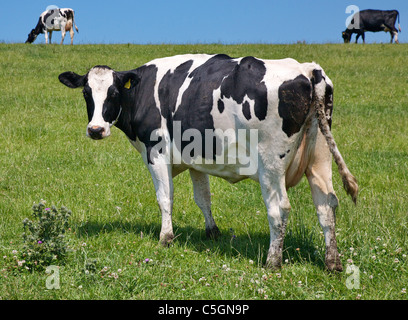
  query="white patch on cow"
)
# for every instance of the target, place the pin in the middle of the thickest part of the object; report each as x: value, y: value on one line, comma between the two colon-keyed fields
x: 226, y: 119
x: 99, y: 80
x: 183, y: 88
x: 395, y: 36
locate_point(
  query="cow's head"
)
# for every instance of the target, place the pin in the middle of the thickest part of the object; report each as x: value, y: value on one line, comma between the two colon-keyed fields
x: 103, y: 90
x: 31, y: 36
x: 346, y: 36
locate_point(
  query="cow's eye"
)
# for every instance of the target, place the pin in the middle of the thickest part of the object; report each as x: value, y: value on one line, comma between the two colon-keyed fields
x: 113, y: 94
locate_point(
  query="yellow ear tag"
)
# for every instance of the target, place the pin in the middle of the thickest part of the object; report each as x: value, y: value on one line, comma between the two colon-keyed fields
x: 127, y: 85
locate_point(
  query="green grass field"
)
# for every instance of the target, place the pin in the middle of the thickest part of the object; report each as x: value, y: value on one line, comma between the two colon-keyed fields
x: 44, y: 154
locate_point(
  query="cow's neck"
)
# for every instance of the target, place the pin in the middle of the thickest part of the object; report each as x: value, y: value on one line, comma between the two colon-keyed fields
x: 124, y: 121
x: 39, y: 28
x: 140, y: 115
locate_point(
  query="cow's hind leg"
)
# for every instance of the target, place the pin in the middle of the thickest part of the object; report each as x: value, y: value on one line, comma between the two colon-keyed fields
x: 202, y: 197
x: 394, y: 35
x: 319, y: 175
x: 278, y: 208
x: 62, y: 35
x: 71, y: 33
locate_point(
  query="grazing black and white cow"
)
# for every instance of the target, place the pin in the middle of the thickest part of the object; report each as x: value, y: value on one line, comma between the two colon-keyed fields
x: 267, y: 120
x: 54, y: 20
x: 374, y: 21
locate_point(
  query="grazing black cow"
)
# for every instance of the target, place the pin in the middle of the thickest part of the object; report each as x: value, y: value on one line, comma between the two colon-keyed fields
x: 267, y: 120
x: 374, y: 21
x: 54, y: 20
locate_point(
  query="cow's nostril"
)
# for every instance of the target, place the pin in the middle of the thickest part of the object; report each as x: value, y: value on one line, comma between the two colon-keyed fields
x: 96, y: 132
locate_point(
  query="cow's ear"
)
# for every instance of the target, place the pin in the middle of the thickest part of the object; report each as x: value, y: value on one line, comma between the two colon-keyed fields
x: 72, y: 80
x: 128, y: 79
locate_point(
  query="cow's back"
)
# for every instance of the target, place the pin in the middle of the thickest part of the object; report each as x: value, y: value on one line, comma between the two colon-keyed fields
x: 377, y: 20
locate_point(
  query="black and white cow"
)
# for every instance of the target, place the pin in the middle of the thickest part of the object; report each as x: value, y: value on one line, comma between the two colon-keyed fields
x: 267, y: 120
x: 374, y: 21
x: 54, y: 20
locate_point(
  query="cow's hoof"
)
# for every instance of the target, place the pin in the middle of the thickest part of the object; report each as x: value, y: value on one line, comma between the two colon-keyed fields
x: 334, y: 266
x: 333, y: 262
x: 213, y: 233
x: 166, y: 239
x: 273, y: 263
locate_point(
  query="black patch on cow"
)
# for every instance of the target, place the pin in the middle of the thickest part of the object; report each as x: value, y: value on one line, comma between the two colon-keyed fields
x: 147, y: 117
x: 317, y: 76
x: 283, y: 155
x: 111, y: 105
x: 169, y: 88
x: 39, y: 28
x: 246, y: 110
x: 328, y: 102
x: 221, y: 106
x: 49, y: 13
x: 90, y: 106
x: 246, y: 79
x: 69, y: 14
x: 295, y: 97
x: 194, y: 111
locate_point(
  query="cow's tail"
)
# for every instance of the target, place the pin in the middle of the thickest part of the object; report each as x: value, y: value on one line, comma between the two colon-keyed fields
x: 399, y: 27
x: 322, y: 101
x: 73, y: 21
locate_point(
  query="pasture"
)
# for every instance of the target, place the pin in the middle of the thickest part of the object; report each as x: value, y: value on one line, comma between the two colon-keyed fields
x: 115, y: 223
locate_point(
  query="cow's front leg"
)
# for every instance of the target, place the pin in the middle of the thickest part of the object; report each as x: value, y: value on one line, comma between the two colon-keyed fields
x: 278, y: 208
x: 163, y: 184
x: 202, y: 197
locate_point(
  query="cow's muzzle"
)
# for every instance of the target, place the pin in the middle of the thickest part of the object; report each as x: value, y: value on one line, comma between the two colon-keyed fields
x: 96, y: 132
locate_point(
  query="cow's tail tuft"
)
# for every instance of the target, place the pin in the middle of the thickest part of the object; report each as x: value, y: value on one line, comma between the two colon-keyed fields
x: 320, y: 105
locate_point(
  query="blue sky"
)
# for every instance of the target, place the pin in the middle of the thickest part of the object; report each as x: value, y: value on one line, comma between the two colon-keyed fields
x: 190, y: 21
